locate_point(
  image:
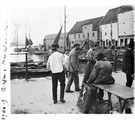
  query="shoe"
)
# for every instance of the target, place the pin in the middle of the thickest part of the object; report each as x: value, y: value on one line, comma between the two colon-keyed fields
x: 69, y: 91
x: 78, y: 90
x: 62, y: 100
x: 55, y: 101
x: 128, y: 111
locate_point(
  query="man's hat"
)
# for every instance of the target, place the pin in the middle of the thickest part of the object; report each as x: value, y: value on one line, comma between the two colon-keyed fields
x: 54, y: 45
x: 100, y: 56
x: 76, y: 44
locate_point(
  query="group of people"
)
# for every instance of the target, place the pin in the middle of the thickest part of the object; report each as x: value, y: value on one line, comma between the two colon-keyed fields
x: 59, y: 64
x: 98, y: 70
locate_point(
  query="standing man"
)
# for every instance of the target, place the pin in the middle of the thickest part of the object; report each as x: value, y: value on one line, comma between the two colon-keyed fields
x: 73, y: 68
x: 128, y: 64
x: 128, y: 67
x: 56, y: 64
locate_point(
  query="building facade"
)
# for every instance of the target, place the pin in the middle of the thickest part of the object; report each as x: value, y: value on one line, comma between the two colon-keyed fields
x: 49, y: 39
x: 117, y: 27
x: 126, y: 27
x: 86, y: 30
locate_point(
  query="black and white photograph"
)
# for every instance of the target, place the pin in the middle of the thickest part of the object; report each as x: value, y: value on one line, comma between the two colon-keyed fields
x: 62, y: 58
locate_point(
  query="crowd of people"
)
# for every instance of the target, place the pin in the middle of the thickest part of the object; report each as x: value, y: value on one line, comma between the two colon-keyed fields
x: 98, y: 70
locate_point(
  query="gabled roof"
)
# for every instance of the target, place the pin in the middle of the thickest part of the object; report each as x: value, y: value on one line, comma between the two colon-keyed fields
x: 111, y: 16
x: 53, y: 36
x: 125, y: 9
x: 77, y: 28
x: 95, y: 22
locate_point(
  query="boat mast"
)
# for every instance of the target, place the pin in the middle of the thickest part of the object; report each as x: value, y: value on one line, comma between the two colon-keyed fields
x: 29, y: 38
x: 17, y: 40
x: 65, y: 28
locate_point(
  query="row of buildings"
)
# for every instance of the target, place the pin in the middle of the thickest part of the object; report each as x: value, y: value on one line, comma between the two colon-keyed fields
x: 115, y: 28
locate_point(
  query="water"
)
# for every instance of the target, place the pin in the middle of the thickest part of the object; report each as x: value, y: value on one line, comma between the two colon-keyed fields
x: 21, y: 58
x: 14, y: 57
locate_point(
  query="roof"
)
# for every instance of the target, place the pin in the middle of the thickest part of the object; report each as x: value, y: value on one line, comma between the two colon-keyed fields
x: 125, y: 9
x: 77, y: 28
x: 53, y: 36
x: 95, y: 22
x: 111, y: 16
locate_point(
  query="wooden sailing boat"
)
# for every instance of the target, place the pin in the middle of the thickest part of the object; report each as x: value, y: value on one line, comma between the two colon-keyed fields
x: 28, y: 43
x: 56, y: 41
x: 66, y: 40
x: 17, y: 49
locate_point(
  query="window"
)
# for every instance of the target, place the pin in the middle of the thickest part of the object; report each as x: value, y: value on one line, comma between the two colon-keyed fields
x: 113, y: 41
x: 106, y: 42
x: 125, y: 42
x: 121, y: 40
x: 109, y: 43
x: 78, y: 35
x: 105, y: 34
x: 116, y: 43
x: 74, y: 36
x: 93, y: 34
x: 88, y: 35
x: 111, y: 33
x: 83, y: 36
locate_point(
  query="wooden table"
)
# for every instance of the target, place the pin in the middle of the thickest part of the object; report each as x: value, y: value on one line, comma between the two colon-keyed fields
x: 122, y: 92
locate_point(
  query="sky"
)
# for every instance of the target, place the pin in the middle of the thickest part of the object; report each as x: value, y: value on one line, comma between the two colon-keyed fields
x: 39, y: 18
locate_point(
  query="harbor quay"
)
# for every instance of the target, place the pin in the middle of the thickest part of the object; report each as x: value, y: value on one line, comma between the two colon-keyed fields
x: 35, y: 96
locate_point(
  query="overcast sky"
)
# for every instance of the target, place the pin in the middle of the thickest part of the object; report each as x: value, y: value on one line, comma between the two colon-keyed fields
x: 45, y: 17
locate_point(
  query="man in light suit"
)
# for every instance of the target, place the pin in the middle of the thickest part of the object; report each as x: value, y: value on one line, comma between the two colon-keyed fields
x: 73, y: 68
